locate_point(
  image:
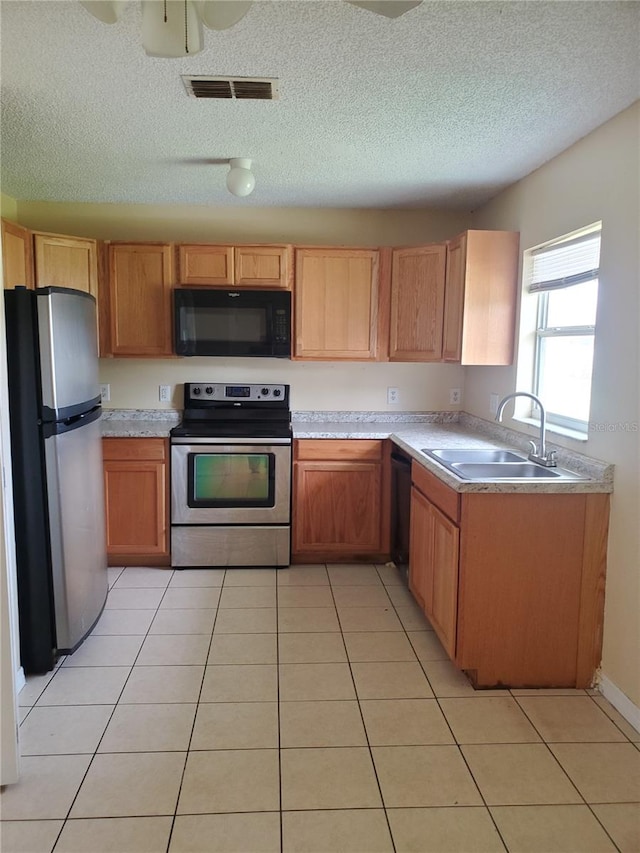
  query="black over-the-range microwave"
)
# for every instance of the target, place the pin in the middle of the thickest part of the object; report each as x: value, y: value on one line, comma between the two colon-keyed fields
x: 232, y: 322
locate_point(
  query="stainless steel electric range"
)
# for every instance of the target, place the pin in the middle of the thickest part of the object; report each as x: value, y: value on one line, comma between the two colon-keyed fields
x: 231, y: 477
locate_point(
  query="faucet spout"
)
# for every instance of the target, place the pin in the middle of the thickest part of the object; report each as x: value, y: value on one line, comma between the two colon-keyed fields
x: 538, y: 454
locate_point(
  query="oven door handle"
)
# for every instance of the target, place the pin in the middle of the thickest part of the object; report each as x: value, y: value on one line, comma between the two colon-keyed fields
x: 229, y: 440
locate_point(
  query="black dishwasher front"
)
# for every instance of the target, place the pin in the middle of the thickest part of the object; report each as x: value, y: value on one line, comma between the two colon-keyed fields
x: 400, y: 509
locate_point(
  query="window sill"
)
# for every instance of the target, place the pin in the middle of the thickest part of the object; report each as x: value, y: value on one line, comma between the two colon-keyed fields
x: 558, y: 430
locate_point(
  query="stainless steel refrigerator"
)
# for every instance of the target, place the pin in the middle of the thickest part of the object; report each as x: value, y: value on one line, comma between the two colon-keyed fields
x: 54, y: 408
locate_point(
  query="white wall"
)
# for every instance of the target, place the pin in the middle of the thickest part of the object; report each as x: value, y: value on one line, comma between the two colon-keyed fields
x: 315, y: 386
x: 184, y: 223
x: 596, y: 179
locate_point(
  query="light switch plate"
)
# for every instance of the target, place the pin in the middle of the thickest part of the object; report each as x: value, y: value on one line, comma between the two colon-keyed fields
x: 164, y: 393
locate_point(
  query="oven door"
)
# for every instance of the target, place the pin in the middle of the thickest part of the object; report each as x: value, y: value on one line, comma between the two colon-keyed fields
x: 230, y: 481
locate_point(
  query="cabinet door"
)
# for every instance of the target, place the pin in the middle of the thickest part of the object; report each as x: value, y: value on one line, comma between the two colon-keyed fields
x: 336, y: 304
x: 337, y: 507
x: 433, y: 567
x: 454, y: 299
x: 140, y: 281
x: 480, y: 297
x: 135, y: 484
x: 66, y: 262
x: 205, y: 265
x: 420, y: 547
x: 262, y: 266
x: 17, y: 255
x: 442, y: 597
x: 417, y: 303
x: 135, y: 508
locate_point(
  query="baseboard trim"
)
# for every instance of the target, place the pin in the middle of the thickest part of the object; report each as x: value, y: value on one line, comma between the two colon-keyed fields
x: 620, y: 701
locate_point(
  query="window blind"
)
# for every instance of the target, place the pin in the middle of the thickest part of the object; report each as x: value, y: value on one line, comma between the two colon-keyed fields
x: 565, y: 264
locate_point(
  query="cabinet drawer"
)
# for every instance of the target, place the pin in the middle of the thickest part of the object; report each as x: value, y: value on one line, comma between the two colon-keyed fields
x: 122, y: 449
x: 338, y: 449
x: 446, y: 499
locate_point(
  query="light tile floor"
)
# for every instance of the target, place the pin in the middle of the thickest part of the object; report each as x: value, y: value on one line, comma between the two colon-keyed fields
x: 310, y: 709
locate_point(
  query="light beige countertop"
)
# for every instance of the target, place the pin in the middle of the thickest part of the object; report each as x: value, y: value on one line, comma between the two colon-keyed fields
x: 139, y: 423
x: 435, y: 431
x: 409, y: 431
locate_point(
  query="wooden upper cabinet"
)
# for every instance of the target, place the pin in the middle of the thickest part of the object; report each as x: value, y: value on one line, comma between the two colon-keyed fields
x: 336, y: 297
x: 140, y: 309
x: 17, y: 255
x: 263, y: 266
x: 417, y: 303
x: 480, y: 297
x: 205, y: 265
x: 66, y: 262
x: 237, y: 266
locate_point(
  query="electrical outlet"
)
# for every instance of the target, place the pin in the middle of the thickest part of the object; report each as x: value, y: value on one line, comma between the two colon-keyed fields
x: 105, y: 393
x: 164, y: 393
x: 455, y: 396
x: 493, y: 403
x: 393, y: 396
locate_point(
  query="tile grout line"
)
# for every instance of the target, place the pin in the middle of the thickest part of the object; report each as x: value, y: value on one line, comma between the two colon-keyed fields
x: 404, y: 630
x: 279, y: 719
x: 364, y: 727
x: 446, y: 719
x: 578, y: 791
x: 195, y: 716
x: 95, y: 752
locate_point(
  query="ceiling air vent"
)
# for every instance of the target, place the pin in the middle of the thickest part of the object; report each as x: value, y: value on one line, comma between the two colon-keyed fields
x: 240, y: 88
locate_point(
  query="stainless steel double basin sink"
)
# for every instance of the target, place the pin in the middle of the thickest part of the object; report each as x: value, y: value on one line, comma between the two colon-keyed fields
x: 488, y: 465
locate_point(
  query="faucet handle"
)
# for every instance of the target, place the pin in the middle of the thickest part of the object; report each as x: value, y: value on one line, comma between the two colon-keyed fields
x: 551, y: 457
x: 534, y: 449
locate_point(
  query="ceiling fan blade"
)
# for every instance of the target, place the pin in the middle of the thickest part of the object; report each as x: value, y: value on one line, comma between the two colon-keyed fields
x: 222, y: 14
x: 167, y: 38
x: 388, y: 8
x: 107, y: 11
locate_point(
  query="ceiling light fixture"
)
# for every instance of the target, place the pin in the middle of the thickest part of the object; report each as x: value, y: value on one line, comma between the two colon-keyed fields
x: 173, y: 28
x: 240, y: 178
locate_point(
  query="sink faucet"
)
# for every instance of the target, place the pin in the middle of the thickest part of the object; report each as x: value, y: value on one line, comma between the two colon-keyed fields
x: 538, y: 454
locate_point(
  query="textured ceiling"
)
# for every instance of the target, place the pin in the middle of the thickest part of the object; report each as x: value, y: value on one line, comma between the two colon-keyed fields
x: 442, y: 107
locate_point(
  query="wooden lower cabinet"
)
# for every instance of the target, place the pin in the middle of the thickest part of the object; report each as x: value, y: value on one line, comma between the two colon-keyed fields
x: 340, y: 504
x: 433, y: 573
x: 513, y: 584
x: 136, y: 486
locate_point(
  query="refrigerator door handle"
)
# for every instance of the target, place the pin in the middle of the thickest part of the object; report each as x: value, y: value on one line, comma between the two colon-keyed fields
x: 50, y: 428
x: 86, y: 417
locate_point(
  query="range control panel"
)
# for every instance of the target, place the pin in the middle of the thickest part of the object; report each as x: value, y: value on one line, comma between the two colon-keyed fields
x: 217, y: 392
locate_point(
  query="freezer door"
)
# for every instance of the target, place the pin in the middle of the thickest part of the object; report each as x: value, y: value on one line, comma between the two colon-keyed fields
x: 68, y: 351
x: 78, y: 542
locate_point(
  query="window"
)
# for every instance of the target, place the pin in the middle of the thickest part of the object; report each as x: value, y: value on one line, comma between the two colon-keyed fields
x: 564, y: 274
